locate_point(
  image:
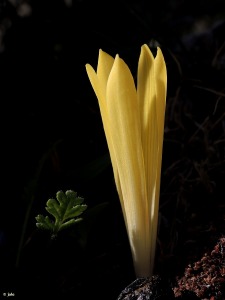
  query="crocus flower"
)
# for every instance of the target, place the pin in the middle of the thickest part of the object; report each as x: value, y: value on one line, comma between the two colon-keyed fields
x: 133, y: 121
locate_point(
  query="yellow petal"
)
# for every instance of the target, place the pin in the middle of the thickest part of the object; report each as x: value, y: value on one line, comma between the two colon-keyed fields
x: 161, y: 86
x: 151, y: 97
x: 125, y: 132
x: 146, y: 90
x: 99, y: 82
x: 105, y: 63
x: 160, y: 77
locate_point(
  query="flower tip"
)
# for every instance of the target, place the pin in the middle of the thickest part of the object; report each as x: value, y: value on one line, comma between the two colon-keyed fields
x: 159, y: 54
x: 87, y: 66
x: 144, y: 46
x: 117, y: 59
x: 158, y: 49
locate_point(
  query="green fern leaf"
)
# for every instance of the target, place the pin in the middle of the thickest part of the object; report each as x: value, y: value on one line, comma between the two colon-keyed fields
x: 65, y: 211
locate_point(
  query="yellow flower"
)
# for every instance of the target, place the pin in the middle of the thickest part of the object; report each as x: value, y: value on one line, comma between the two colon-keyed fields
x: 133, y: 121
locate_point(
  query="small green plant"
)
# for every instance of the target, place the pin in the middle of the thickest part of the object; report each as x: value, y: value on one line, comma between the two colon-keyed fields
x: 66, y: 211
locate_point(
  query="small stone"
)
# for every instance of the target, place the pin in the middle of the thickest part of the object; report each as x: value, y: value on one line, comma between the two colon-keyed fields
x: 154, y: 288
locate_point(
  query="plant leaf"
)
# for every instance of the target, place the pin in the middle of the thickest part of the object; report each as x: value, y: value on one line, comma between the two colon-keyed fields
x: 65, y: 211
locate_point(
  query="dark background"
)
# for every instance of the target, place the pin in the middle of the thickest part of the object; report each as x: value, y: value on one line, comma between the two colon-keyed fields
x: 52, y: 139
